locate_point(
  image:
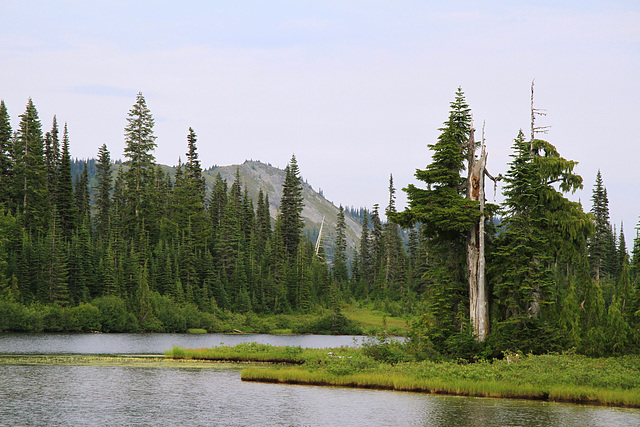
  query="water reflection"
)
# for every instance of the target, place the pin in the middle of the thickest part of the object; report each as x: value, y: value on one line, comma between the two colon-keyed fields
x: 68, y: 395
x: 153, y: 343
x: 87, y: 395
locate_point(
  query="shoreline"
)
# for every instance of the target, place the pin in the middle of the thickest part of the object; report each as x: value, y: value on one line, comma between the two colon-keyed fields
x: 557, y: 378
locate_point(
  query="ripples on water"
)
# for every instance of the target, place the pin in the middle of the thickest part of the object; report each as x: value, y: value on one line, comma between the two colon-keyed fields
x: 67, y: 395
x: 87, y: 395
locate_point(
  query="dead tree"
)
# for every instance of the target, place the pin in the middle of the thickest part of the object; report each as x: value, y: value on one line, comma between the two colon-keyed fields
x: 478, y: 298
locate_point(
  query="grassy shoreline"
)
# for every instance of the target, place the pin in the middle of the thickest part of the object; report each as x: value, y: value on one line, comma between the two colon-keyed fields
x: 611, y: 381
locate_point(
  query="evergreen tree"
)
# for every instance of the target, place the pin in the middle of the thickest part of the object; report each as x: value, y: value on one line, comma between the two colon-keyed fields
x: 52, y: 156
x: 82, y: 198
x: 634, y: 265
x: 263, y: 224
x: 393, y: 262
x: 376, y: 248
x: 217, y: 202
x: 193, y: 169
x: 442, y: 207
x: 103, y: 192
x: 56, y: 273
x: 139, y: 177
x: 291, y: 205
x: 195, y: 194
x: 599, y: 242
x: 541, y: 229
x: 340, y: 271
x: 30, y: 175
x: 622, y: 256
x: 6, y: 162
x: 64, y: 196
x: 366, y: 260
x: 446, y: 216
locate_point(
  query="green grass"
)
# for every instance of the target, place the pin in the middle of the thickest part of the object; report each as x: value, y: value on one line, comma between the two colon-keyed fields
x: 611, y: 381
x: 374, y: 320
x: 281, y: 331
x: 196, y: 331
x: 253, y: 352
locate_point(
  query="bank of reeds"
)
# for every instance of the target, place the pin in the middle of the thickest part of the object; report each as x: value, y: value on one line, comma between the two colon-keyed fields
x: 611, y: 381
x: 251, y: 352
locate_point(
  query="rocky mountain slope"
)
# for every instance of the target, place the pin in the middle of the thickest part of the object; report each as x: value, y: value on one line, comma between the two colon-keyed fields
x: 255, y: 175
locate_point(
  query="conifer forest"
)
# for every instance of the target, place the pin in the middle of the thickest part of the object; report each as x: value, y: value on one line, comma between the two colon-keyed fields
x: 131, y: 245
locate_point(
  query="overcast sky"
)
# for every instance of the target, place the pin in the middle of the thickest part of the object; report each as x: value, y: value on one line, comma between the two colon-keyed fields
x: 356, y: 89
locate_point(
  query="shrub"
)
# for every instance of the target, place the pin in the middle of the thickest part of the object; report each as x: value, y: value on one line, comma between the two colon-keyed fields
x: 85, y: 317
x: 54, y: 318
x: 168, y: 313
x: 151, y: 324
x: 16, y: 317
x: 386, y: 350
x: 331, y: 324
x: 114, y: 316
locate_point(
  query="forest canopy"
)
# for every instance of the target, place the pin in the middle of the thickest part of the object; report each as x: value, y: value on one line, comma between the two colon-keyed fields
x: 140, y: 249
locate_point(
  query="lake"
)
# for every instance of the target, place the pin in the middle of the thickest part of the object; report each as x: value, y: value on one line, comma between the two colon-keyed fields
x: 87, y: 395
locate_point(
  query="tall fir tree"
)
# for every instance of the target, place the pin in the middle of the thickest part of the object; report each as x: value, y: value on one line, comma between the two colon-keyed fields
x: 6, y: 162
x: 291, y: 205
x: 30, y: 174
x: 600, y: 241
x: 446, y: 216
x: 393, y: 258
x: 102, y: 192
x: 56, y: 272
x: 340, y: 270
x: 366, y: 261
x: 140, y: 160
x: 64, y: 196
x: 195, y: 194
x: 52, y: 156
x: 82, y: 198
x: 541, y: 231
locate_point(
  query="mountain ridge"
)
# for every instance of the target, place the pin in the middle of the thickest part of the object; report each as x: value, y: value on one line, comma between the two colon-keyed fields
x: 256, y: 175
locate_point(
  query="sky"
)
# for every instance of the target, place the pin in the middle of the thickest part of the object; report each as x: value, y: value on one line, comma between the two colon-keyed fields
x: 355, y: 89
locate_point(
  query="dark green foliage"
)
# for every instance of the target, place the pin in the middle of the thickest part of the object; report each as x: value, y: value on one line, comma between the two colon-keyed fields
x: 114, y: 316
x: 6, y: 161
x: 331, y: 324
x: 600, y: 247
x: 30, y: 191
x: 52, y: 156
x: 386, y: 350
x: 82, y: 198
x: 140, y: 175
x: 103, y: 193
x: 291, y: 205
x: 442, y: 207
x: 16, y: 317
x: 541, y: 230
x: 63, y: 193
x: 445, y: 216
x: 163, y: 253
x: 340, y: 271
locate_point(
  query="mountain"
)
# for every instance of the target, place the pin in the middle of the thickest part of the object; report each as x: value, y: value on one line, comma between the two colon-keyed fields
x: 256, y: 175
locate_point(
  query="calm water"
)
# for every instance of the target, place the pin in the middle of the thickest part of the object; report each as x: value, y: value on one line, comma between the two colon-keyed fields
x: 153, y: 343
x: 68, y: 395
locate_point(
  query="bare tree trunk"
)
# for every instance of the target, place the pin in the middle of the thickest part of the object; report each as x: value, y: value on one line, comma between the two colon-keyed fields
x: 478, y: 301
